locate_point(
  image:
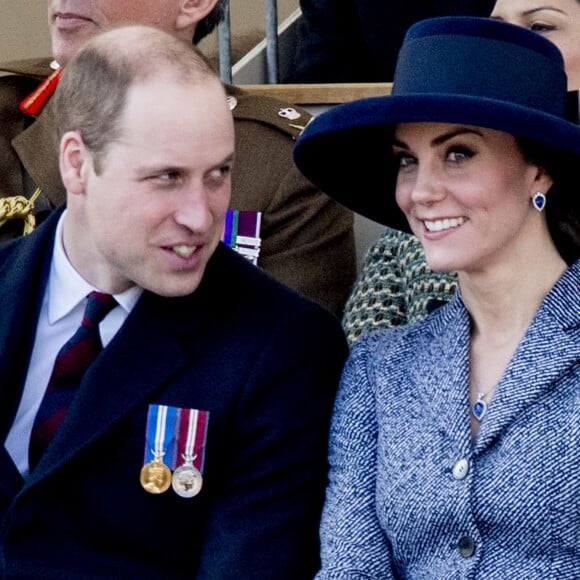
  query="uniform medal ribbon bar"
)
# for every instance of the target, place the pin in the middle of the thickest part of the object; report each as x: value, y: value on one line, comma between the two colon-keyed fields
x: 242, y: 233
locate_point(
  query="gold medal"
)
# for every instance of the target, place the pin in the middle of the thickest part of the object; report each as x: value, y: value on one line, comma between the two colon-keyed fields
x: 155, y: 476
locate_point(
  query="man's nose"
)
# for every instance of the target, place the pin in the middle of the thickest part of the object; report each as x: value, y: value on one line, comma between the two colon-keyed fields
x: 194, y: 210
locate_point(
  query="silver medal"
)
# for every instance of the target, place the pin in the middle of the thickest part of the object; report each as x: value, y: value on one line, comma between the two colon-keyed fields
x: 186, y: 481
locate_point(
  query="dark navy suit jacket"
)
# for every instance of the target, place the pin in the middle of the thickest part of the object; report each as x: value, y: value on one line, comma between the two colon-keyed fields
x: 263, y: 361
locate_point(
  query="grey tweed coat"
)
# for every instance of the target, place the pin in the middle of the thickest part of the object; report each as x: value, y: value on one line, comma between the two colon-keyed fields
x: 413, y: 496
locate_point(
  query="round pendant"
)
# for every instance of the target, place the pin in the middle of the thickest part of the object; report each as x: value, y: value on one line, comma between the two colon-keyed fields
x: 187, y: 481
x: 155, y: 477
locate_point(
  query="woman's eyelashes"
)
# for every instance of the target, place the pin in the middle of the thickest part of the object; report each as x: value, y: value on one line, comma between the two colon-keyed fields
x: 404, y: 159
x: 455, y: 154
x: 541, y: 27
x: 459, y: 154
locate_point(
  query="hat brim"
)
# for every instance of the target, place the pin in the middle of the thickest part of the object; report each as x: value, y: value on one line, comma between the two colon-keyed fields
x: 347, y: 150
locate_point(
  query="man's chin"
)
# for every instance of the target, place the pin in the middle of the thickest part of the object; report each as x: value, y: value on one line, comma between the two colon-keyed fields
x: 63, y: 49
x: 175, y: 288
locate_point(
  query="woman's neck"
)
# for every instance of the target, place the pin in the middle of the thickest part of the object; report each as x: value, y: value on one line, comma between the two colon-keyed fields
x: 503, y: 300
x: 504, y: 297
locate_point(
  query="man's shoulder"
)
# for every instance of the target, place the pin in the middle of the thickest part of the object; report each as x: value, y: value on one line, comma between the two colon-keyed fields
x: 283, y: 117
x: 18, y: 78
x: 35, y: 68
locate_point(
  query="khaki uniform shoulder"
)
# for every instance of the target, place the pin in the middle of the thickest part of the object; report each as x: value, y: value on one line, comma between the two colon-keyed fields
x: 289, y: 119
x: 37, y: 68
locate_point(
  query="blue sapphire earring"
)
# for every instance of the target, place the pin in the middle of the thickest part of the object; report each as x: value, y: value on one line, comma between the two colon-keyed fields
x: 539, y: 201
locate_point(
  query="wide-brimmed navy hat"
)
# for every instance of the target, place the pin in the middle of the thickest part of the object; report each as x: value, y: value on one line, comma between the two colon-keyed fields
x: 467, y: 70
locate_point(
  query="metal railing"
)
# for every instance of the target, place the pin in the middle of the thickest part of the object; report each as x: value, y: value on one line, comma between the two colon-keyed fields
x: 225, y: 44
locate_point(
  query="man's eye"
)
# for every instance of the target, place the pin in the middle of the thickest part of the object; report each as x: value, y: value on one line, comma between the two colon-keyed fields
x: 166, y: 177
x: 171, y: 176
x: 220, y: 174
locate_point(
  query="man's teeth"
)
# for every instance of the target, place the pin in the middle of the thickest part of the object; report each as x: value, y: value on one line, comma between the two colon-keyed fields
x: 184, y: 251
x: 439, y: 225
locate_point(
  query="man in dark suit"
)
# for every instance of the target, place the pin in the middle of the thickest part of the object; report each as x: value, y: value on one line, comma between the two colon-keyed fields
x: 358, y: 40
x: 307, y: 239
x: 194, y: 444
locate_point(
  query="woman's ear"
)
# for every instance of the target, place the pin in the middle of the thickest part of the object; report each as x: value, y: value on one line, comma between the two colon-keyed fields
x: 192, y: 12
x: 73, y: 160
x: 542, y: 182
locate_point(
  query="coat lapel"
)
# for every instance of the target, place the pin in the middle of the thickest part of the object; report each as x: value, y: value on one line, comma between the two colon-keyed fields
x: 22, y: 278
x: 43, y: 166
x: 441, y: 371
x: 547, y: 351
x: 12, y: 91
x: 11, y: 480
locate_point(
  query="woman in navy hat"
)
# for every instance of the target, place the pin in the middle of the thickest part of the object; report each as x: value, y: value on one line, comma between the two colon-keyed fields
x: 396, y: 286
x: 454, y: 448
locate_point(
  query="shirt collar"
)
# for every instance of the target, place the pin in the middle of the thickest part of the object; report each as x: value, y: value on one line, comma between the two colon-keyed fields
x: 67, y: 288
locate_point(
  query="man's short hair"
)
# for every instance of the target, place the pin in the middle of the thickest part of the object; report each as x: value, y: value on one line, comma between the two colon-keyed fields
x: 209, y: 23
x: 92, y: 92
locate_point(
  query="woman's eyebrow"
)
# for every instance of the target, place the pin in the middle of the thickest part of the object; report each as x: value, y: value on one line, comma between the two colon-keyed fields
x: 440, y: 139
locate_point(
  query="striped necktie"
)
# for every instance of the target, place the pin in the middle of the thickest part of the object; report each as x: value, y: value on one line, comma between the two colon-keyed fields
x: 69, y: 366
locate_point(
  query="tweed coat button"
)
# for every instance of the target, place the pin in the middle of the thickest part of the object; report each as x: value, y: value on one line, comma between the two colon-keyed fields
x: 460, y: 469
x: 466, y: 546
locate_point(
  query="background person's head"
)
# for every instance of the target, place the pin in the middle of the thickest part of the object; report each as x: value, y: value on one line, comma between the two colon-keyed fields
x: 72, y: 22
x: 557, y: 20
x: 146, y: 150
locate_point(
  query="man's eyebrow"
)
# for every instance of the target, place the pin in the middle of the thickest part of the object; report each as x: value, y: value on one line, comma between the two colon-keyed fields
x: 227, y: 160
x: 168, y: 167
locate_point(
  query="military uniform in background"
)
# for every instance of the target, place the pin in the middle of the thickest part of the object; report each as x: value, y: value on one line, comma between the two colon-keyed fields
x: 307, y: 238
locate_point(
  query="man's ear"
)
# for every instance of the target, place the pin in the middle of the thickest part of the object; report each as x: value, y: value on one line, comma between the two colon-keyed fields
x: 74, y: 160
x: 192, y: 12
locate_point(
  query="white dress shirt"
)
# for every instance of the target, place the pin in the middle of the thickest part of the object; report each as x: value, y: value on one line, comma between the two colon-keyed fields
x: 62, y: 310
